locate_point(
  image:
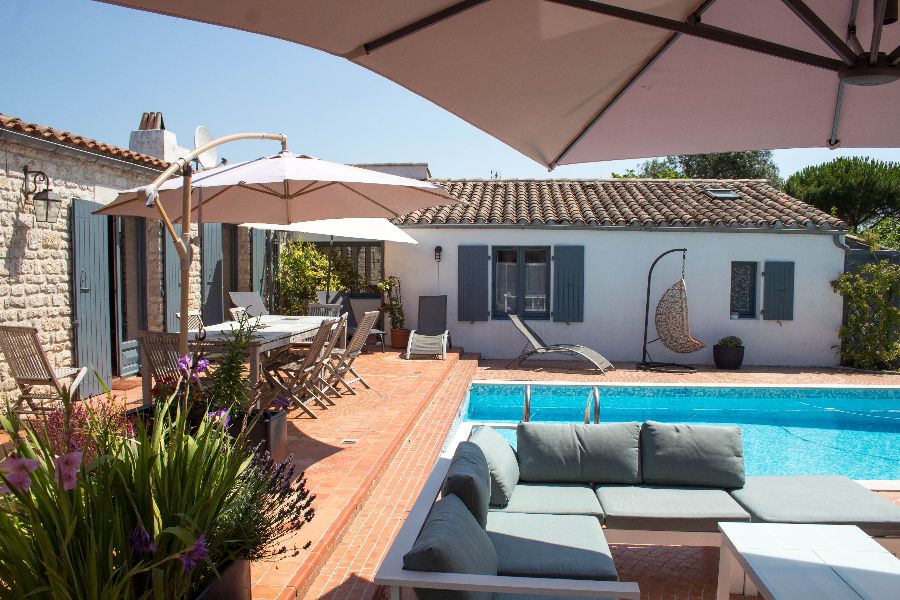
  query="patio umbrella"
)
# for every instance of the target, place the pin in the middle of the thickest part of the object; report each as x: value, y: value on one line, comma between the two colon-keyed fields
x: 571, y: 81
x: 345, y: 230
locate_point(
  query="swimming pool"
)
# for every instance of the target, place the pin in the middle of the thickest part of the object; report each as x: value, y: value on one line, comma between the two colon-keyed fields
x: 786, y: 430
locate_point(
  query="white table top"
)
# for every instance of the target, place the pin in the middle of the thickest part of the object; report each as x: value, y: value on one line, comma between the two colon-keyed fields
x: 272, y: 327
x: 807, y: 562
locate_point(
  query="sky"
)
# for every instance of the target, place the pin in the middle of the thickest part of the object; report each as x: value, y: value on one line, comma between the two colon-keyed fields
x: 93, y: 69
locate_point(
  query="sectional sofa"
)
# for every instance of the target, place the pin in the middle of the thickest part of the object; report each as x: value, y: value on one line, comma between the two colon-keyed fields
x: 532, y: 517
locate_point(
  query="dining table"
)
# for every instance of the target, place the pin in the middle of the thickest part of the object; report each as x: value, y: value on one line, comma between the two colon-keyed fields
x: 273, y: 332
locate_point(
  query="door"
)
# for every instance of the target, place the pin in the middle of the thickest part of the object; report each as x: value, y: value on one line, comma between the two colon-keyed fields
x: 93, y: 339
x: 212, y: 289
x: 173, y: 280
x: 130, y: 291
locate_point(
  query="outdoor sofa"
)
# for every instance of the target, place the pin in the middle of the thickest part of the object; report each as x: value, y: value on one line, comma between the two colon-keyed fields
x: 537, y: 514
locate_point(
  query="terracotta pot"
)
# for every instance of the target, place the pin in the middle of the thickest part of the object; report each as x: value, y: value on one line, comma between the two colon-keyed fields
x: 234, y: 583
x: 728, y: 357
x: 399, y: 338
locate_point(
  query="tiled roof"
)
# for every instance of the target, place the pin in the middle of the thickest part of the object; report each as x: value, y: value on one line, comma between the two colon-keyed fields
x: 644, y: 203
x: 10, y: 123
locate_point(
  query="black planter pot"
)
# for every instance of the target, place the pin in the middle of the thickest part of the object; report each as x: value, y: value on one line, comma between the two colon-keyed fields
x: 728, y: 357
x: 234, y: 583
x: 269, y: 432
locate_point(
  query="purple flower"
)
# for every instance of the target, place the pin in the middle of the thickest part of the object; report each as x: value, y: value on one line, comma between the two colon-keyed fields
x: 141, y: 541
x: 184, y: 365
x: 17, y: 472
x: 201, y: 365
x: 66, y: 467
x: 281, y: 402
x: 195, y: 555
x: 220, y: 415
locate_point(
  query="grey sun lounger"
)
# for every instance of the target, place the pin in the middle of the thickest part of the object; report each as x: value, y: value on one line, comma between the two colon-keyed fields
x: 430, y: 336
x: 537, y: 346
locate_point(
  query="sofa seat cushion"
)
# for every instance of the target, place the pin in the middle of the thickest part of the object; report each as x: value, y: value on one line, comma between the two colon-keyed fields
x: 579, y: 453
x: 692, y: 455
x: 558, y: 546
x: 554, y: 499
x: 502, y: 463
x: 657, y: 508
x: 451, y: 541
x: 825, y: 499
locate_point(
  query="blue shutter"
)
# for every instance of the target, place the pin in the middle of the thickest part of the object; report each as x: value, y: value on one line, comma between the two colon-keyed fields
x: 213, y: 301
x: 568, y: 283
x: 173, y: 280
x: 778, y: 292
x: 258, y: 260
x: 472, y: 288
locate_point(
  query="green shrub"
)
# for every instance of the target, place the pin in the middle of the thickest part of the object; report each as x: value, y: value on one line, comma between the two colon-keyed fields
x: 869, y: 337
x: 732, y: 341
x: 393, y: 301
x: 303, y: 271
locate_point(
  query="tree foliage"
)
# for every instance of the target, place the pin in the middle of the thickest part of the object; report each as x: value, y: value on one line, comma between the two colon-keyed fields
x: 870, y: 338
x: 861, y: 191
x: 755, y: 164
x: 885, y: 234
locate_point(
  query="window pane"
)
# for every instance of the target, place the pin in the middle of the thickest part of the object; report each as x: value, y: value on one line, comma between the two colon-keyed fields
x: 743, y: 289
x: 505, y: 280
x: 536, y: 271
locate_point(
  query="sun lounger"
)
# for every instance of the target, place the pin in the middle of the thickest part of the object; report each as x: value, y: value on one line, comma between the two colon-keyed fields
x: 430, y: 335
x: 537, y: 346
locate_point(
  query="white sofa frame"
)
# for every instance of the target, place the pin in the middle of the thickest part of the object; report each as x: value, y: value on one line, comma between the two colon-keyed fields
x: 392, y: 574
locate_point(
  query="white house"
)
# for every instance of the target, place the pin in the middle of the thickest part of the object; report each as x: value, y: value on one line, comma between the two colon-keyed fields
x: 572, y: 257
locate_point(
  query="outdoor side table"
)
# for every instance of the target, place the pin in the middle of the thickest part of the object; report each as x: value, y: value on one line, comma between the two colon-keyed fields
x: 824, y: 562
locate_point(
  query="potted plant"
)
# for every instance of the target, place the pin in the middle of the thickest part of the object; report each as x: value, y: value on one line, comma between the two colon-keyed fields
x: 728, y: 353
x: 393, y: 306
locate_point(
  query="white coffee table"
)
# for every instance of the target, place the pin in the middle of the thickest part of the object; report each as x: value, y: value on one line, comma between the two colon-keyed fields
x: 806, y: 562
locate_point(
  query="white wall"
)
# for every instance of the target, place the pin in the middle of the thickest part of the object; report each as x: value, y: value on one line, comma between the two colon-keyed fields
x: 616, y: 264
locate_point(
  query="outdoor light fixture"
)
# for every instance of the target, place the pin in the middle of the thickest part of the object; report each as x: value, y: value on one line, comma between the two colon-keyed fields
x: 46, y: 201
x: 437, y: 253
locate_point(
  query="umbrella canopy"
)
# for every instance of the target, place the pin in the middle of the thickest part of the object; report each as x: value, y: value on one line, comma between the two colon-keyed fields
x: 286, y: 188
x: 344, y: 230
x: 570, y: 81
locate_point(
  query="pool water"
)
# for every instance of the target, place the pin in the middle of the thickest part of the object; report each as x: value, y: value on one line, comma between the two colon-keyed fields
x: 786, y: 431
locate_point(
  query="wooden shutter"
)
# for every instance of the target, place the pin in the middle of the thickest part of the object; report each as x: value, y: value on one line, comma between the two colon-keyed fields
x: 778, y: 291
x: 472, y: 288
x: 213, y: 302
x: 258, y: 260
x: 568, y: 283
x: 173, y: 280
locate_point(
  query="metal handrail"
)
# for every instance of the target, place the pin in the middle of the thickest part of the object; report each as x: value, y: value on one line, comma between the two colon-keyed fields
x: 526, y: 416
x: 595, y: 393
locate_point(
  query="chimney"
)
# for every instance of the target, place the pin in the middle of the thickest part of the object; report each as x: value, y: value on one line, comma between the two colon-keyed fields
x: 152, y: 139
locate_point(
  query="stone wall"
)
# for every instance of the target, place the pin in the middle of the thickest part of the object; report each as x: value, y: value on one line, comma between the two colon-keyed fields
x: 35, y: 258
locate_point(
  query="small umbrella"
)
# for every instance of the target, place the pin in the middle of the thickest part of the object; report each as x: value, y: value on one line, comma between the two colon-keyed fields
x: 345, y: 230
x: 573, y: 81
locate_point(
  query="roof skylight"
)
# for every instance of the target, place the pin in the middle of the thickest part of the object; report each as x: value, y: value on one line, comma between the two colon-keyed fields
x: 722, y: 194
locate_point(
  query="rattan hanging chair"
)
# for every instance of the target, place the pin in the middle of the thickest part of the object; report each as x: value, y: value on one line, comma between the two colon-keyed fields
x: 672, y: 325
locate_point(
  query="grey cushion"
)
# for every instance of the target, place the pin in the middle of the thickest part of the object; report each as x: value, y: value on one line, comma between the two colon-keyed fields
x: 451, y: 541
x: 578, y: 453
x: 668, y: 508
x: 558, y: 546
x: 501, y: 461
x: 692, y: 455
x: 469, y: 479
x: 554, y: 499
x: 826, y: 499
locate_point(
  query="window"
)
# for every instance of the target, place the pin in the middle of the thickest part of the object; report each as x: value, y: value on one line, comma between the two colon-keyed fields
x: 743, y: 290
x: 722, y: 194
x: 521, y: 282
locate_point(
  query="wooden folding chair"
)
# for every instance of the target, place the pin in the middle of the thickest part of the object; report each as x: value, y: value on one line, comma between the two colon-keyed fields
x: 30, y: 367
x: 295, y: 380
x: 324, y: 310
x: 195, y: 319
x: 322, y: 380
x: 340, y: 361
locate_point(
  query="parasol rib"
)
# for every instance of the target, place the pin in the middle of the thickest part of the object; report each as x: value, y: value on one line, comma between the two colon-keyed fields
x: 419, y: 25
x: 821, y: 29
x: 880, y: 8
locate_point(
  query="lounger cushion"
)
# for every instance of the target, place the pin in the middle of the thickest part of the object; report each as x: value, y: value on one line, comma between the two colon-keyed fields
x: 825, y: 499
x: 559, y: 546
x: 578, y: 453
x: 656, y: 508
x: 451, y: 541
x: 692, y: 455
x: 554, y: 499
x: 469, y: 478
x: 501, y: 461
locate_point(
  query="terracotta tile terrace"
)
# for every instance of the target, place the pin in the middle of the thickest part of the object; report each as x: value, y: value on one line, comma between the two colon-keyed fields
x: 367, y: 458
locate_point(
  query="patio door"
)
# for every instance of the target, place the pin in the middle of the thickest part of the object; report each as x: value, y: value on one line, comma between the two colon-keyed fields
x: 212, y: 284
x: 130, y: 293
x: 91, y: 297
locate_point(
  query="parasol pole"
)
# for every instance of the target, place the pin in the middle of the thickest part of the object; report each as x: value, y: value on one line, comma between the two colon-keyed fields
x: 183, y: 245
x: 330, y: 258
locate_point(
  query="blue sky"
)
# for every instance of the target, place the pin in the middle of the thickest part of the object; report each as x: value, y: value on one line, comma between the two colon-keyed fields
x: 93, y: 68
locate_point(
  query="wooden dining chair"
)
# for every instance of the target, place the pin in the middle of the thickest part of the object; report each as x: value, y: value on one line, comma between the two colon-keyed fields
x: 237, y: 313
x: 295, y: 381
x: 324, y: 310
x: 30, y: 367
x: 340, y: 362
x: 195, y: 319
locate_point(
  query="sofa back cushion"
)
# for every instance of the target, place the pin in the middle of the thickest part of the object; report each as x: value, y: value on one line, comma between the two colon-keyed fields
x: 451, y: 541
x: 576, y: 453
x: 469, y: 478
x: 502, y: 463
x: 695, y: 455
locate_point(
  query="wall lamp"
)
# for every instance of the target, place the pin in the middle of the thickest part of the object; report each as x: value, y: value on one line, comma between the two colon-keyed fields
x: 46, y: 202
x: 437, y: 253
